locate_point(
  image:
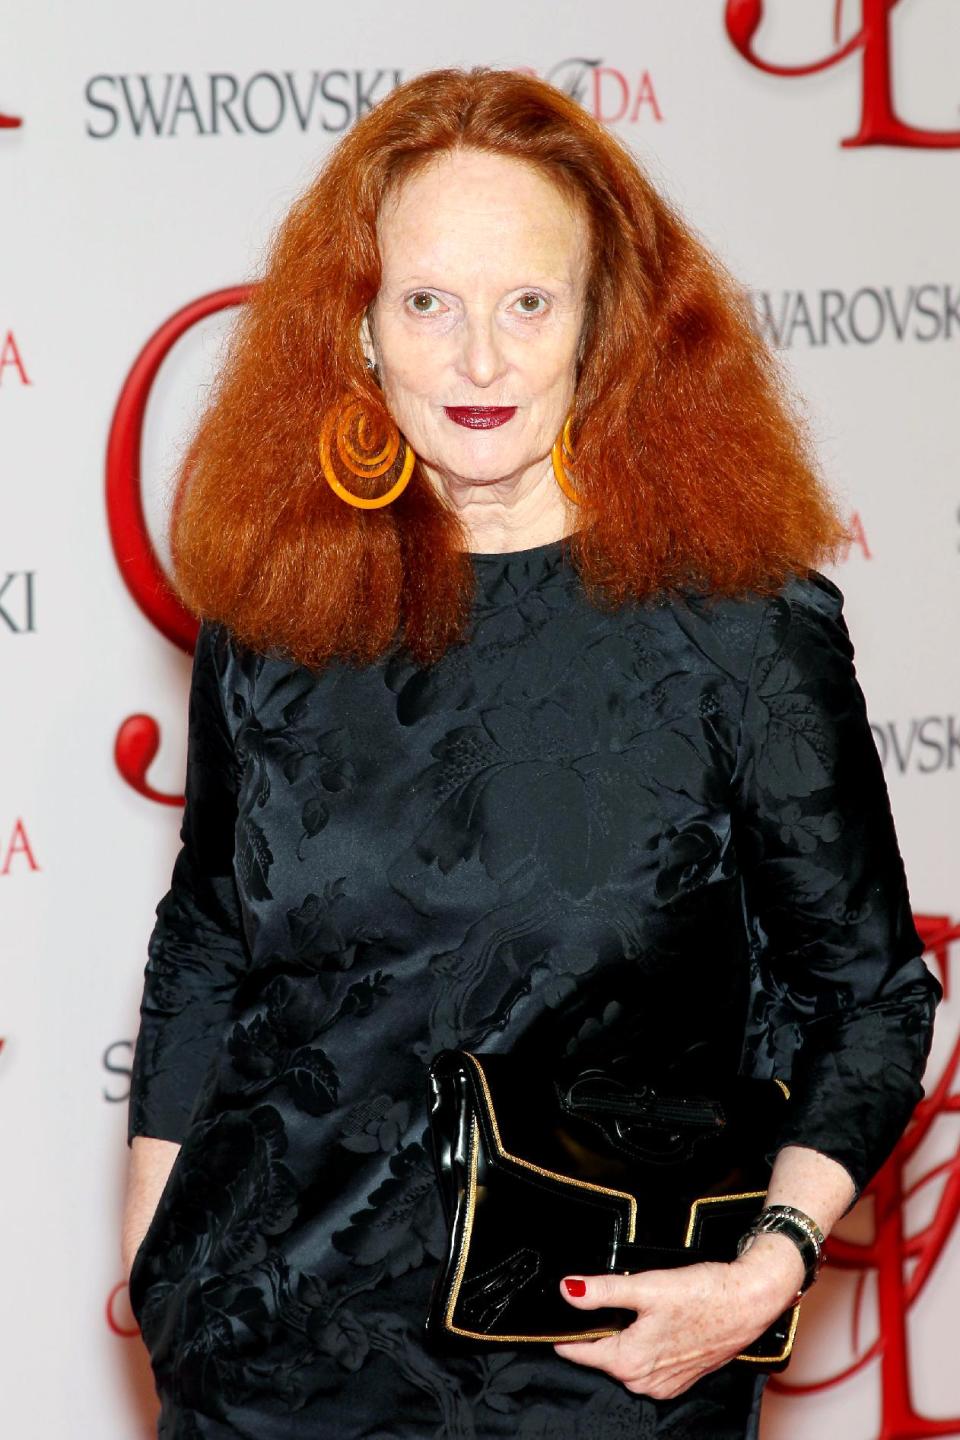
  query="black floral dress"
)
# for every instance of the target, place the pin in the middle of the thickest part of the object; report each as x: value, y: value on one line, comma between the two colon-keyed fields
x: 670, y: 817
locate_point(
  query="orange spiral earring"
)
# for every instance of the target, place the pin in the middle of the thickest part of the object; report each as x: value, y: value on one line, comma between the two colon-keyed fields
x: 348, y: 429
x: 562, y: 455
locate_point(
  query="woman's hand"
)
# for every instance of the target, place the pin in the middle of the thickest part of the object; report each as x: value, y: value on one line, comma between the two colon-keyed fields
x: 148, y: 1170
x: 689, y: 1321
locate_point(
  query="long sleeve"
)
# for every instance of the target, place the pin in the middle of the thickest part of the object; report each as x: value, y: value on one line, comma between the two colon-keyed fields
x: 841, y: 996
x: 197, y: 950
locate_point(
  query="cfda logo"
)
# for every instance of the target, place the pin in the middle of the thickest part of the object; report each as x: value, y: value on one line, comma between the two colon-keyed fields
x: 880, y: 124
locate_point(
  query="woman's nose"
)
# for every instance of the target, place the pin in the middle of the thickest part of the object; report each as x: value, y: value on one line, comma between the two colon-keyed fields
x: 481, y: 359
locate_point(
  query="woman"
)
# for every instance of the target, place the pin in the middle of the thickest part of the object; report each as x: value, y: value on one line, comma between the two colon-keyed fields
x: 519, y: 712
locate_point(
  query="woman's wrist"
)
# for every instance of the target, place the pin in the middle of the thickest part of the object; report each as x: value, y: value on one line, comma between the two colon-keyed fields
x: 774, y: 1268
x: 797, y: 1226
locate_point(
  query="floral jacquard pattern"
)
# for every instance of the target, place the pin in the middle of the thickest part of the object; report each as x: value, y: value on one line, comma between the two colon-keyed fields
x: 663, y: 827
x: 401, y: 1224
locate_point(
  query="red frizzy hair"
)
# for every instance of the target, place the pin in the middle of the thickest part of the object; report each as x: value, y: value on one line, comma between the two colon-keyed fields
x: 692, y: 461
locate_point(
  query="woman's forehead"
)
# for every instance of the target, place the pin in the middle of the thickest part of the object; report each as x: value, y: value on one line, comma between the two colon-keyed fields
x: 470, y: 208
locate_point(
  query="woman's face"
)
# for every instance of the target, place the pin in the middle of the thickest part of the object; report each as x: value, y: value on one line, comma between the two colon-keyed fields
x: 480, y: 311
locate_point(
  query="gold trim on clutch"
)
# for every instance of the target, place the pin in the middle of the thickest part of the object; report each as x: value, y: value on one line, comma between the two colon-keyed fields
x: 471, y: 1201
x: 462, y: 1261
x: 468, y: 1225
x: 688, y: 1241
x: 552, y: 1174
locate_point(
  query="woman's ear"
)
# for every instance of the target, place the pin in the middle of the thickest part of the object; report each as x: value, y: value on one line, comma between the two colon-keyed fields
x: 366, y: 342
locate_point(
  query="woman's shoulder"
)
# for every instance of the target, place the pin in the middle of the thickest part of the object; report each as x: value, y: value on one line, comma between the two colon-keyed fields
x: 223, y: 667
x: 807, y: 591
x: 219, y: 649
x: 811, y: 593
x: 739, y: 630
x: 214, y: 647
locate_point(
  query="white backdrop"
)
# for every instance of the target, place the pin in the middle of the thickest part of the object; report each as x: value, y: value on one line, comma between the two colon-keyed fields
x: 156, y: 149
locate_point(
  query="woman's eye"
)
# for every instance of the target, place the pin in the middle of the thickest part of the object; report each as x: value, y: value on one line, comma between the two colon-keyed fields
x: 531, y: 303
x: 423, y: 303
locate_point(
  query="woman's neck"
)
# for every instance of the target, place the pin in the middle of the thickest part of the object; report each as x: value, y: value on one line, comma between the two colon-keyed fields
x: 513, y: 514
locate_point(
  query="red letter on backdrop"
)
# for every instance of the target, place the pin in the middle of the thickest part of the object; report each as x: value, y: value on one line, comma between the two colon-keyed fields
x: 10, y: 355
x: 19, y: 845
x: 879, y: 122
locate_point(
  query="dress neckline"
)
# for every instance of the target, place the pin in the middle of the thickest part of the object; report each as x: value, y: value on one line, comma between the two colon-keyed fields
x: 549, y: 547
x: 501, y: 576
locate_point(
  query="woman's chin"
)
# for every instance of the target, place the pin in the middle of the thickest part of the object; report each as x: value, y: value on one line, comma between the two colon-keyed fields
x: 467, y: 467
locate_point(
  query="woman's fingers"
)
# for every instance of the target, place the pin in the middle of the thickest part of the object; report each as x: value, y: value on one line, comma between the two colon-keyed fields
x: 593, y: 1292
x: 590, y: 1292
x: 601, y: 1354
x: 688, y: 1323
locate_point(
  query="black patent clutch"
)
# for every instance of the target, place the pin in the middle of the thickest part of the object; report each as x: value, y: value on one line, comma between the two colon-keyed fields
x: 545, y: 1176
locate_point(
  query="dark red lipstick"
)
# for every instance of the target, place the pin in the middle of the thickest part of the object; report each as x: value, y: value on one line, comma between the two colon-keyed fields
x: 480, y: 417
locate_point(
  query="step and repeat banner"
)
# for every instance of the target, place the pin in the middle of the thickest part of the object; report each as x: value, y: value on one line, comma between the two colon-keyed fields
x: 146, y: 153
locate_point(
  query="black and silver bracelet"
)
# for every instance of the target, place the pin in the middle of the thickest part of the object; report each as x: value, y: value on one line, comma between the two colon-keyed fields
x: 802, y: 1230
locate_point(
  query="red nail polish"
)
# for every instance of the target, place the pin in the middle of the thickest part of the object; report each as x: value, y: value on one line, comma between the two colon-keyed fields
x: 576, y: 1288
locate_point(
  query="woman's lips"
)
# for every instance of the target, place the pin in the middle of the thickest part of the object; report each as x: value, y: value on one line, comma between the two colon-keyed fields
x: 480, y: 417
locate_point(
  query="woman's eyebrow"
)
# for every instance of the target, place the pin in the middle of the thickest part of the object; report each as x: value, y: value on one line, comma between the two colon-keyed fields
x: 549, y: 282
